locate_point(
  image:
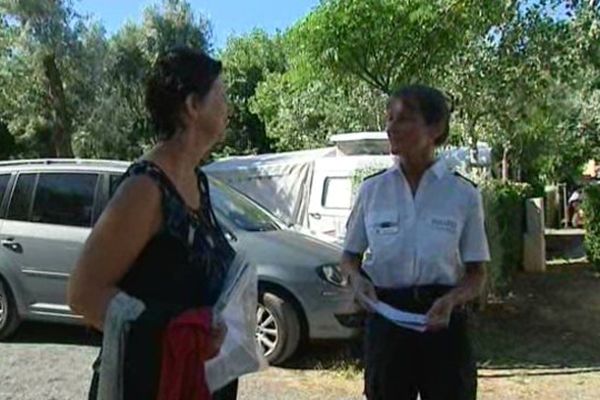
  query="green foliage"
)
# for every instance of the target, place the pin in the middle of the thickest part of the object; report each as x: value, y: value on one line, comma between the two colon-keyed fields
x: 248, y: 60
x: 119, y: 126
x: 362, y: 173
x: 66, y: 89
x: 520, y: 78
x: 591, y: 209
x: 504, y: 205
x: 41, y: 44
x: 523, y: 91
x: 8, y: 146
x: 302, y: 115
x: 387, y: 42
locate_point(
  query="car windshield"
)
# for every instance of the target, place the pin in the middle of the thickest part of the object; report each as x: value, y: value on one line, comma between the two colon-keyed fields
x: 239, y: 210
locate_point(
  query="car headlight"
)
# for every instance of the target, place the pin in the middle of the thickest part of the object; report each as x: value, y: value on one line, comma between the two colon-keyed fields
x: 333, y: 274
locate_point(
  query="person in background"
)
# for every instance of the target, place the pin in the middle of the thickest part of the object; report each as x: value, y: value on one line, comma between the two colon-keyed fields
x: 158, y: 240
x: 416, y: 240
x: 575, y: 202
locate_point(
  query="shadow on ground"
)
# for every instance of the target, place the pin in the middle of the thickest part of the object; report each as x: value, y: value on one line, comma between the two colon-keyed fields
x: 549, y: 324
x: 548, y: 321
x: 38, y: 333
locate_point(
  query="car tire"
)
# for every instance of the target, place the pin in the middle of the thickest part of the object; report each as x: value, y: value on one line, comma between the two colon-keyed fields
x: 9, y: 317
x: 278, y: 330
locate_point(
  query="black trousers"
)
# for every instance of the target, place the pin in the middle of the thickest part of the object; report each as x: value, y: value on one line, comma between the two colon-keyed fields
x: 401, y: 363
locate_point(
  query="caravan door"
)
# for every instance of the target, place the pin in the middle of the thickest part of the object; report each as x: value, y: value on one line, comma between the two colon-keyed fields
x: 330, y: 199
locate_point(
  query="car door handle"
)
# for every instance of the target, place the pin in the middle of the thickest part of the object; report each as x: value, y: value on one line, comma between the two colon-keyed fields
x: 315, y: 215
x: 12, y: 245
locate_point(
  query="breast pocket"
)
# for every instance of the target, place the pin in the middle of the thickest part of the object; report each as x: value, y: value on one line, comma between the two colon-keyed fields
x: 444, y: 234
x: 384, y: 232
x: 383, y: 228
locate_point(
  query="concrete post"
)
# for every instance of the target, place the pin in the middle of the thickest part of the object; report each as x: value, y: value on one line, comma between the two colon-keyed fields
x: 534, y: 246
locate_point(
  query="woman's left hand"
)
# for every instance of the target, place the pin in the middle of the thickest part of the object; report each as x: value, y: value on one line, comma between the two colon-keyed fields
x: 439, y: 314
x: 217, y: 336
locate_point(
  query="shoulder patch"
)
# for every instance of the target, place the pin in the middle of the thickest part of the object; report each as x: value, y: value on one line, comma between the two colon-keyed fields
x: 469, y: 181
x: 375, y: 174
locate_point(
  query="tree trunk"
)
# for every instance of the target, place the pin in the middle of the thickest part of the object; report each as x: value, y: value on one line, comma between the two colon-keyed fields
x: 473, y: 140
x: 505, y: 164
x: 63, y: 126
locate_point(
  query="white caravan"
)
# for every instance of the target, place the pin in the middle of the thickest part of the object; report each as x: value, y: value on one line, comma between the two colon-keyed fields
x: 314, y: 189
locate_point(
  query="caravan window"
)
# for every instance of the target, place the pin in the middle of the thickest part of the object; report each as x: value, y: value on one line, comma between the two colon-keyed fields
x: 337, y: 193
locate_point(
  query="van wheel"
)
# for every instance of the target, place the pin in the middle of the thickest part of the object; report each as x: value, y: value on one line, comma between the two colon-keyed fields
x: 9, y: 317
x: 277, y: 328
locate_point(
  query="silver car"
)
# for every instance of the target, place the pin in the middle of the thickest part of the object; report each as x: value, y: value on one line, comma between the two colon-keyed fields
x: 47, y: 208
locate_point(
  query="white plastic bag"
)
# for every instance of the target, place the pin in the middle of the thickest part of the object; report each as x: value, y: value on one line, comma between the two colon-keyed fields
x: 240, y: 354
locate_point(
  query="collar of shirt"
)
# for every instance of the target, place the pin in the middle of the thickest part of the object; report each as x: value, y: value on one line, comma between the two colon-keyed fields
x: 438, y: 169
x: 415, y: 202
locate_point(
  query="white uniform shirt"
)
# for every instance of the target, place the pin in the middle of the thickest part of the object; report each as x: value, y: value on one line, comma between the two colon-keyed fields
x: 420, y: 240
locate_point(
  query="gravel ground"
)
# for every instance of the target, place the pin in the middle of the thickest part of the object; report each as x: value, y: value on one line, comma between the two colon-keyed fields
x: 52, y: 362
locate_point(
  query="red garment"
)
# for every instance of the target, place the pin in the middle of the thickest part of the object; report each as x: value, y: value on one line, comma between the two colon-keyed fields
x: 186, y: 346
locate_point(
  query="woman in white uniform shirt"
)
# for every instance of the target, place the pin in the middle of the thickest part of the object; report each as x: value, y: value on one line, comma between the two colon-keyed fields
x: 416, y: 240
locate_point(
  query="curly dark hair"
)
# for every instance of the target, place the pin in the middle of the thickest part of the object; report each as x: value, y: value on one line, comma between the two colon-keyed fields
x: 431, y: 103
x: 177, y: 73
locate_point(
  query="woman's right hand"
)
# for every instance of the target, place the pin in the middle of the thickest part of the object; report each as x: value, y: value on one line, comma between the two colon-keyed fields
x: 364, y: 291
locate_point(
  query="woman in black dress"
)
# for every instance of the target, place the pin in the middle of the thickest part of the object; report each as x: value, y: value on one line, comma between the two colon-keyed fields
x: 158, y: 240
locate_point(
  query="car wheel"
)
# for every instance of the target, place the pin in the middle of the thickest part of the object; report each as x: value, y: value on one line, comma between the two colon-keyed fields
x: 277, y: 328
x: 9, y: 318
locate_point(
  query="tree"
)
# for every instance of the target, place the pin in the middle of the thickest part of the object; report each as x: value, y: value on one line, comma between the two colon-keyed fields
x: 248, y: 60
x: 46, y: 43
x: 7, y: 142
x: 120, y: 126
x: 303, y: 113
x: 388, y: 42
x: 519, y: 90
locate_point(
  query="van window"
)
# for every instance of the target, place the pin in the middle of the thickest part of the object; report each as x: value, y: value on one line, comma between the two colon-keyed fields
x: 65, y: 199
x: 3, y: 184
x: 20, y: 203
x: 337, y: 193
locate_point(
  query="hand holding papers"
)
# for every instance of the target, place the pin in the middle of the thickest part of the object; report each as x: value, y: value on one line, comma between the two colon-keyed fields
x: 415, y: 322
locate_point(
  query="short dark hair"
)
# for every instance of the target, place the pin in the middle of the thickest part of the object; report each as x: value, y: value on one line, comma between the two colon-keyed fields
x: 431, y: 103
x: 177, y: 73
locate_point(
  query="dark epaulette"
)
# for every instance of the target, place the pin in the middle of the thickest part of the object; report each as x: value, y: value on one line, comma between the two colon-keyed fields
x: 465, y: 179
x: 375, y: 174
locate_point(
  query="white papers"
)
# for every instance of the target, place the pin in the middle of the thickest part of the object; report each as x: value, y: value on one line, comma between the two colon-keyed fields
x: 416, y: 322
x: 239, y: 355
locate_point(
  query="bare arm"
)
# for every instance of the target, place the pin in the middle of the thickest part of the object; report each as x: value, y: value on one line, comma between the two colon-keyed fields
x: 471, y: 286
x: 351, y: 264
x: 127, y: 224
x: 361, y: 286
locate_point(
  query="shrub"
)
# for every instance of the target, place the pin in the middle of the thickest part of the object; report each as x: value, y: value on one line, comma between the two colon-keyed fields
x: 504, y: 204
x: 591, y: 209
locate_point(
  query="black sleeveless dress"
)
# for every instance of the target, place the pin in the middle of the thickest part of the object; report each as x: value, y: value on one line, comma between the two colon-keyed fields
x: 182, y: 267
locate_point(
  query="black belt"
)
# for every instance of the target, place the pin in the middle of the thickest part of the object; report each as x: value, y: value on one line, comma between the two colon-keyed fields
x: 417, y: 299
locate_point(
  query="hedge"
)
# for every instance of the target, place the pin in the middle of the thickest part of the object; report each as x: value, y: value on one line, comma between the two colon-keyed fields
x: 591, y: 209
x: 504, y: 204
